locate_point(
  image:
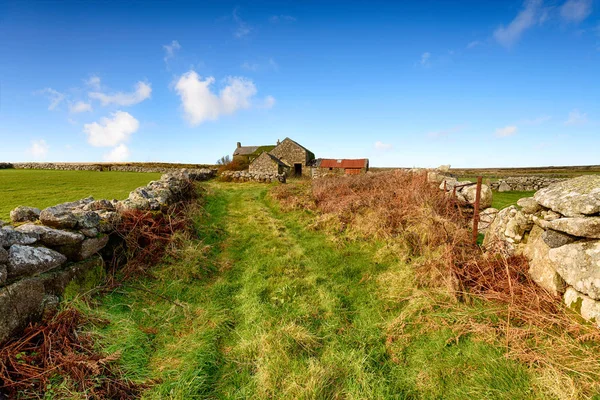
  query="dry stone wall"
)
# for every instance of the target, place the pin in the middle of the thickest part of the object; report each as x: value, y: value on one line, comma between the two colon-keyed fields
x: 42, y: 251
x: 558, y: 230
x: 246, y: 176
x: 524, y: 183
x: 103, y: 167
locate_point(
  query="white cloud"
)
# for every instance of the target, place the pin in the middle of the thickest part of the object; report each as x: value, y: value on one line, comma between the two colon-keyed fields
x: 281, y: 18
x: 425, y: 58
x: 379, y: 145
x: 243, y: 29
x: 250, y: 66
x: 576, y: 10
x: 142, y: 92
x: 111, y: 131
x: 170, y: 49
x: 118, y: 154
x: 93, y: 82
x: 38, y: 149
x: 200, y: 104
x: 506, y: 131
x: 530, y: 15
x: 54, y: 96
x: 269, y: 102
x: 576, y: 118
x: 79, y: 107
x: 473, y: 44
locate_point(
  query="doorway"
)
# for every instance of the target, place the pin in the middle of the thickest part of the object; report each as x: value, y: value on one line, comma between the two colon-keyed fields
x: 297, y: 169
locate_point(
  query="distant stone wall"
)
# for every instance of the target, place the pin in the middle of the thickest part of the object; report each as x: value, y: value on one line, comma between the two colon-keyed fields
x: 44, y: 250
x: 266, y: 165
x: 558, y: 230
x: 102, y: 167
x: 246, y: 176
x: 524, y: 183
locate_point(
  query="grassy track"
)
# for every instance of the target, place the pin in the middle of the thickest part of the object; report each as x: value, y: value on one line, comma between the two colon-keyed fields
x: 261, y: 306
x: 44, y: 188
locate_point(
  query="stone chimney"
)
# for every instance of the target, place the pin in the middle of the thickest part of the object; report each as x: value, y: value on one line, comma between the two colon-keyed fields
x: 278, y: 142
x: 239, y: 144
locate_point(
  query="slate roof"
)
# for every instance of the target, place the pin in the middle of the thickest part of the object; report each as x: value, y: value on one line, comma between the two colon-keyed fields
x: 245, y: 150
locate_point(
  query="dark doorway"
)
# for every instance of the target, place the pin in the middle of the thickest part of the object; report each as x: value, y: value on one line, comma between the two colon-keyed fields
x: 297, y: 169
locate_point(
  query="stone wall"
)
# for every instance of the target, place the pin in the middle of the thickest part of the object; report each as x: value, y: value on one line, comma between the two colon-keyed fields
x: 103, y: 167
x: 558, y: 230
x: 524, y: 183
x: 265, y: 164
x: 292, y: 153
x: 246, y: 176
x: 44, y: 250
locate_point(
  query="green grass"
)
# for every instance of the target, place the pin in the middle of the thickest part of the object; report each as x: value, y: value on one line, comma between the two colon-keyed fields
x: 44, y: 188
x: 262, y: 306
x: 504, y: 199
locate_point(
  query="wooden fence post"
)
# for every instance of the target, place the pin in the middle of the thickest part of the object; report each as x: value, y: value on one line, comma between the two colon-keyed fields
x: 476, y: 210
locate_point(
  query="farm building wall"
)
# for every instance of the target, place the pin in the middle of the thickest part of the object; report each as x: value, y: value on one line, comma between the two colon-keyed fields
x: 265, y: 164
x: 292, y: 153
x: 44, y: 251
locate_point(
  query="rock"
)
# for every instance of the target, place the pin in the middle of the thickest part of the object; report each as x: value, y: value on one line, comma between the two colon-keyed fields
x: 587, y: 307
x: 572, y: 198
x: 435, y: 177
x: 541, y: 268
x: 20, y: 304
x: 550, y: 215
x: 26, y: 260
x: 504, y: 187
x: 56, y: 281
x: 86, y: 219
x: 556, y: 239
x: 85, y: 249
x: 507, y: 230
x: 583, y: 227
x: 469, y: 193
x: 3, y: 256
x: 3, y: 274
x: 58, y: 217
x: 2, y: 223
x: 50, y: 236
x: 579, y: 265
x: 99, y: 205
x: 529, y: 205
x: 486, y: 217
x: 444, y: 168
x: 24, y: 214
x: 91, y: 232
x: 9, y: 236
x: 108, y: 220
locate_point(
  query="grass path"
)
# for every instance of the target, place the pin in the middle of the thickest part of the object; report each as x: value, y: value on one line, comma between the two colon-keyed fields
x: 263, y: 307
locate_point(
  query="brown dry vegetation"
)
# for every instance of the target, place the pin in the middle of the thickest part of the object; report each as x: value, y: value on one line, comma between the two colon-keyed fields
x: 506, y: 307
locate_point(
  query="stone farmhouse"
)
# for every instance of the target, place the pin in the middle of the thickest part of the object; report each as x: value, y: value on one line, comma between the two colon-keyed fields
x: 292, y: 159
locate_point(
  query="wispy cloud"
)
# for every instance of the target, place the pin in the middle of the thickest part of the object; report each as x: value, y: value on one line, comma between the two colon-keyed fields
x: 275, y: 19
x: 473, y: 44
x: 535, y: 121
x: 54, y: 96
x: 576, y: 10
x: 38, y: 149
x: 93, y: 82
x: 79, y: 107
x: 142, y: 92
x: 506, y: 131
x: 271, y: 64
x: 170, y: 50
x: 243, y: 29
x: 576, y: 118
x: 445, y: 132
x: 425, y: 57
x: 381, y: 146
x: 531, y: 14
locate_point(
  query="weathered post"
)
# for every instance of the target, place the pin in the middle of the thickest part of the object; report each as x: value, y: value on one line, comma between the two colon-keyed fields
x: 445, y: 190
x: 476, y: 210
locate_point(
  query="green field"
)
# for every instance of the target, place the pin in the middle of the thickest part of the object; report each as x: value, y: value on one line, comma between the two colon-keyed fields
x: 505, y: 199
x: 44, y: 188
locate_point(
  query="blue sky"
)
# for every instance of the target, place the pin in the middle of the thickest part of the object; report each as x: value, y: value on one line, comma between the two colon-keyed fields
x: 423, y: 83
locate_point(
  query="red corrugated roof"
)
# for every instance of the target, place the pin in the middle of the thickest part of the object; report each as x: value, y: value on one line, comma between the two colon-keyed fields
x: 343, y: 163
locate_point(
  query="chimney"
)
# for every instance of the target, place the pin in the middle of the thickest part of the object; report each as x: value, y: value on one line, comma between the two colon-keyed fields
x: 239, y: 144
x: 278, y: 142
